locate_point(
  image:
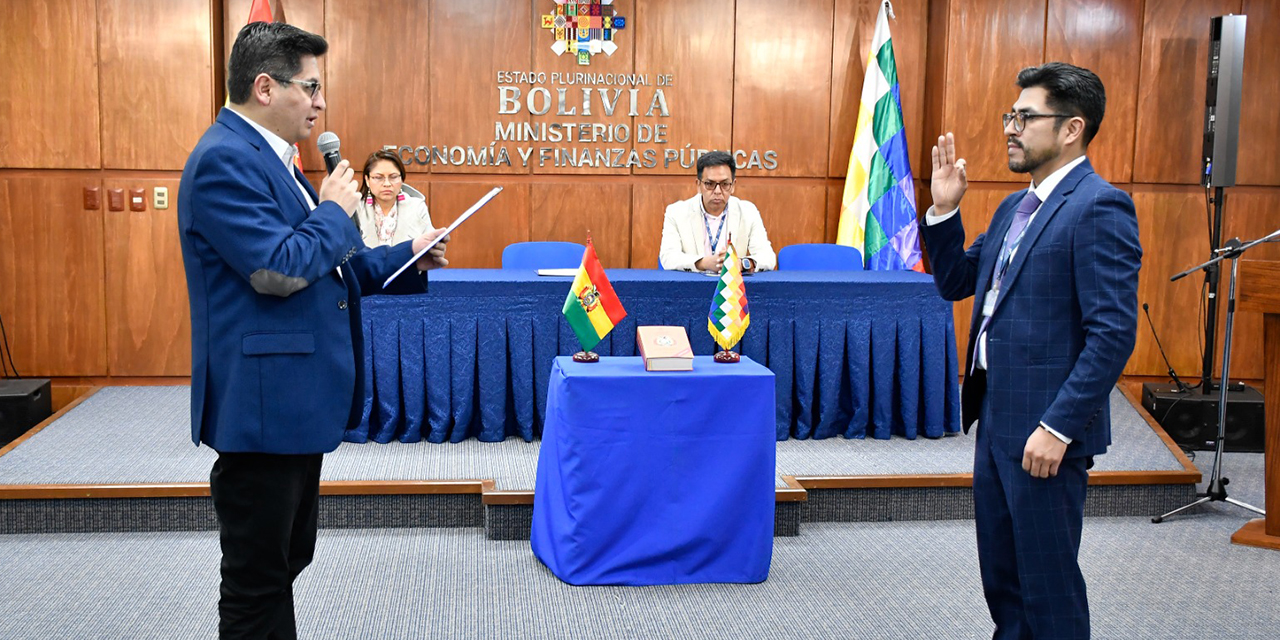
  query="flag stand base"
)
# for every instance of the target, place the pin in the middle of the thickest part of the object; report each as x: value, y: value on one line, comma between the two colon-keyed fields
x: 586, y: 356
x: 726, y: 356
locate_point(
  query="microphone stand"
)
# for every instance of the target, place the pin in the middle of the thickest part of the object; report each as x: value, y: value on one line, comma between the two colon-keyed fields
x: 1216, y: 491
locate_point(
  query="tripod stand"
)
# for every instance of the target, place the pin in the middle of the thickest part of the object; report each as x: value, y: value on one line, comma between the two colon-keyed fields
x: 1216, y: 491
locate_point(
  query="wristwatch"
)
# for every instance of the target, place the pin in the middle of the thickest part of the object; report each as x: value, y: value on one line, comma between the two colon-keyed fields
x: 748, y: 264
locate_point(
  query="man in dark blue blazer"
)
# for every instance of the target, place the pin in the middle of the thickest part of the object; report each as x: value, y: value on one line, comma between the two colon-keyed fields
x: 1054, y: 280
x: 275, y: 272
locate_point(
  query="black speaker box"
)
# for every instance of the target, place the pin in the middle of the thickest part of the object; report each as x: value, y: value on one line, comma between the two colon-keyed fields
x: 24, y: 404
x: 1191, y: 417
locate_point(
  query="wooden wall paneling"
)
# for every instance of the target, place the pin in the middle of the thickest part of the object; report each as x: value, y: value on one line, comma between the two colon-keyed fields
x: 478, y: 244
x: 1173, y: 230
x: 690, y: 40
x: 649, y: 200
x: 307, y: 15
x: 1250, y: 213
x: 464, y: 100
x: 148, y: 316
x: 988, y: 42
x: 621, y: 62
x: 378, y: 76
x: 855, y: 23
x: 1099, y: 35
x: 568, y: 211
x: 157, y: 80
x: 793, y: 211
x: 49, y: 107
x: 51, y: 283
x: 1171, y: 89
x: 1260, y: 93
x: 782, y: 83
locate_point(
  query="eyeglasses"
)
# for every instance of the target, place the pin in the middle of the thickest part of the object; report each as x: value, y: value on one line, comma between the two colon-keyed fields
x: 391, y: 179
x: 725, y: 186
x: 1020, y: 118
x: 312, y: 86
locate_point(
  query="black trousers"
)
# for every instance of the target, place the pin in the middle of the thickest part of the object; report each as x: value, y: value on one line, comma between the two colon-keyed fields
x: 267, y: 506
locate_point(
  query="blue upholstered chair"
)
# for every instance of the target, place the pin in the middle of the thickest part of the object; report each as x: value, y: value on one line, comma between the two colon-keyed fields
x: 819, y: 257
x: 542, y: 255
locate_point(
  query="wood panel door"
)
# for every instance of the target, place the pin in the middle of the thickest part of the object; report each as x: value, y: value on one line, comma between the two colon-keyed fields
x: 157, y: 80
x: 464, y: 102
x: 782, y: 83
x: 49, y: 105
x: 691, y: 41
x: 148, y: 316
x: 51, y: 284
x: 1099, y: 36
x: 378, y: 74
x: 988, y: 42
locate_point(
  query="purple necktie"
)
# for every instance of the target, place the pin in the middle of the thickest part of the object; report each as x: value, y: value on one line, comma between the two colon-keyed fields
x: 1029, y: 204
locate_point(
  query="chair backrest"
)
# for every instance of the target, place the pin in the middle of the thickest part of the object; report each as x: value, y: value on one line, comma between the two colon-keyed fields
x: 819, y: 257
x: 542, y: 255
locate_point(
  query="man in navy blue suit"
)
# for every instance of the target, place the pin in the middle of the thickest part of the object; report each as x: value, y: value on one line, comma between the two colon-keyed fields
x: 275, y: 272
x: 1054, y: 280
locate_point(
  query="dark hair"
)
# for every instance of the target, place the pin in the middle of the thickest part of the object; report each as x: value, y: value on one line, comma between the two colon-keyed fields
x: 375, y: 158
x: 1071, y: 90
x: 716, y: 159
x: 273, y: 48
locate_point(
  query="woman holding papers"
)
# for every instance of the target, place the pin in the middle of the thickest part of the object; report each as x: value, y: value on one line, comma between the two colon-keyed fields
x: 390, y: 211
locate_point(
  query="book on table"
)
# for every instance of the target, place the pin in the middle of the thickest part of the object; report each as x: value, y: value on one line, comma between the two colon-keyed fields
x: 664, y: 348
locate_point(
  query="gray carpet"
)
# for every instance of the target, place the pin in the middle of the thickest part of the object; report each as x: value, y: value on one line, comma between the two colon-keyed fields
x: 127, y: 435
x: 1180, y: 579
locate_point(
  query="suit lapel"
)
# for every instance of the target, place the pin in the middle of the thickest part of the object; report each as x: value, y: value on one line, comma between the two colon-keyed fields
x: 282, y: 176
x: 1037, y: 225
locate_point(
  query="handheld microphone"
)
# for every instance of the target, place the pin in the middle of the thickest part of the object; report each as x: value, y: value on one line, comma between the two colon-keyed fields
x: 328, y: 144
x: 1182, y: 387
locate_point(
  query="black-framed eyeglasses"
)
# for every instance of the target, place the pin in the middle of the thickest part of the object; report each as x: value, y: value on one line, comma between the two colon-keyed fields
x: 711, y: 186
x: 1020, y: 118
x: 312, y: 86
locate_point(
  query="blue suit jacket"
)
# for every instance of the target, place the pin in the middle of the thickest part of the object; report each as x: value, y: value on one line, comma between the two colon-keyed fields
x: 1065, y: 322
x: 276, y: 338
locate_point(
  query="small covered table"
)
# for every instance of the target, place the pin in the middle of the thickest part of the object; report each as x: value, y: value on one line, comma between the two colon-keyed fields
x: 656, y: 477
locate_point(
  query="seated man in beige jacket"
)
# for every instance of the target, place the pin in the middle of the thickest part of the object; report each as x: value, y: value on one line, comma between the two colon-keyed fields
x: 696, y: 232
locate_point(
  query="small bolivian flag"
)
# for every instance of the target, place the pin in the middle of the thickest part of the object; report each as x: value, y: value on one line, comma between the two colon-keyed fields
x: 592, y: 308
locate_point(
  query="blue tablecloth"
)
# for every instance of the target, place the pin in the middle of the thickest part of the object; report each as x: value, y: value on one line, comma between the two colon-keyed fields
x: 656, y: 478
x: 856, y: 354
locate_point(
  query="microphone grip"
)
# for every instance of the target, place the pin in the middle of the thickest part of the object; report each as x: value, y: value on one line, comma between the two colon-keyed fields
x: 331, y: 161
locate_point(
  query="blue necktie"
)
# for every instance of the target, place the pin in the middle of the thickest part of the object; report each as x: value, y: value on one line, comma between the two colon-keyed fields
x: 1029, y: 204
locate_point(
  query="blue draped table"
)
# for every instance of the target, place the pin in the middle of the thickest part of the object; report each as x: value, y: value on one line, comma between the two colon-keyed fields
x: 656, y: 477
x: 855, y: 354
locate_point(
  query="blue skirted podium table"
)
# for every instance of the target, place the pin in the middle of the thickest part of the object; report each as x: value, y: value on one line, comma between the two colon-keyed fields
x: 855, y: 354
x: 649, y: 477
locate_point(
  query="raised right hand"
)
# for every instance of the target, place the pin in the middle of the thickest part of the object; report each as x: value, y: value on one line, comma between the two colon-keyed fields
x: 341, y: 188
x: 948, y: 181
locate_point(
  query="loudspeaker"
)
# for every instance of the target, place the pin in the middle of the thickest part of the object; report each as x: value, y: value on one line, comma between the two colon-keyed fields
x: 1222, y: 100
x: 1191, y: 418
x: 24, y: 404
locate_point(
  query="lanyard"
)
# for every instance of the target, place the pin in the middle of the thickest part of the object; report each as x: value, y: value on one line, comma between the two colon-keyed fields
x: 1006, y: 256
x: 707, y: 225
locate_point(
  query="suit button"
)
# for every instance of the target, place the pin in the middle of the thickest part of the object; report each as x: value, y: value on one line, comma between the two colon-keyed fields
x: 342, y: 305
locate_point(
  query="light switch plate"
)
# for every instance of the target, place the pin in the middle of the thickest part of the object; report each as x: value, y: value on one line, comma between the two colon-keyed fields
x: 160, y: 198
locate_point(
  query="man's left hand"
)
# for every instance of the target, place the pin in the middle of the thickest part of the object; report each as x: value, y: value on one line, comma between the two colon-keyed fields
x: 1043, y: 454
x: 434, y: 258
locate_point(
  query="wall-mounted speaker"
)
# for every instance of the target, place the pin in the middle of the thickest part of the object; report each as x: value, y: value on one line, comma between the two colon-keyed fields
x: 1222, y: 100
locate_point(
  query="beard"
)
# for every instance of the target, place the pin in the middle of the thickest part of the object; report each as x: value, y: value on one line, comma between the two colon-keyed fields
x: 1031, y: 159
